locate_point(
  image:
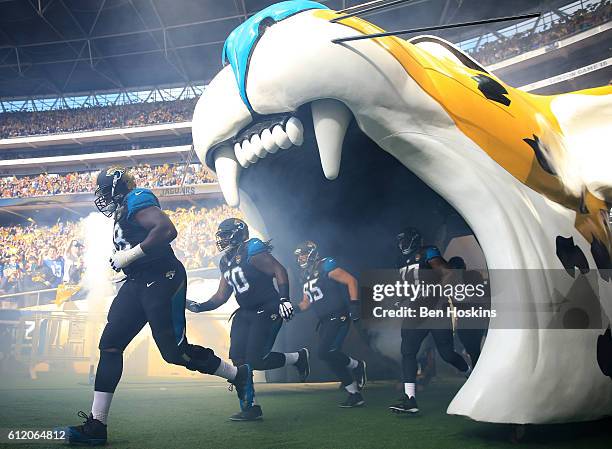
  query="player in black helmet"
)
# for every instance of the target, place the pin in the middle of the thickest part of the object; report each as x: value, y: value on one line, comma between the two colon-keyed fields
x: 248, y: 270
x: 423, y: 265
x: 153, y: 292
x: 333, y: 294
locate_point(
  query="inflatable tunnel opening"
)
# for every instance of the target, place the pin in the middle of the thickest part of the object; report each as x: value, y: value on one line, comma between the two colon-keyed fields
x: 356, y: 217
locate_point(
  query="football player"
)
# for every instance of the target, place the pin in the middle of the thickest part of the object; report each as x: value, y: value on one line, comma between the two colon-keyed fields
x: 325, y: 285
x: 153, y: 292
x: 248, y: 270
x: 425, y: 265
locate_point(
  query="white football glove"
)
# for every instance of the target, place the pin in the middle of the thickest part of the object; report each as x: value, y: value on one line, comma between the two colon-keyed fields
x: 121, y: 259
x: 285, y: 309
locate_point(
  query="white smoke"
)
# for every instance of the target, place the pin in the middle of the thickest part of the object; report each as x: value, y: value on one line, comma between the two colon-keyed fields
x: 385, y: 337
x: 97, y: 231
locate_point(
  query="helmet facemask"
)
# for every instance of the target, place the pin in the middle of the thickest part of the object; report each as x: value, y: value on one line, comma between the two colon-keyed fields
x: 232, y: 238
x: 306, y: 254
x: 409, y: 241
x: 104, y: 200
x: 109, y: 195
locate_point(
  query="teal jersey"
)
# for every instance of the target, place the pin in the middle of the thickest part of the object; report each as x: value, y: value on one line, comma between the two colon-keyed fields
x: 326, y: 296
x: 127, y: 233
x: 252, y: 288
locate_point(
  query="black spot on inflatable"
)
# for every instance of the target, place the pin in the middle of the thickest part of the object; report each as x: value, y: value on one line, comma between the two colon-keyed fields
x: 575, y: 318
x: 492, y: 89
x: 571, y: 256
x: 602, y: 259
x: 604, y: 352
x: 537, y: 147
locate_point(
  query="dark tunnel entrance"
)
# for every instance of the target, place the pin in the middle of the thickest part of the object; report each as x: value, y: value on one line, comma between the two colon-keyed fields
x: 354, y: 218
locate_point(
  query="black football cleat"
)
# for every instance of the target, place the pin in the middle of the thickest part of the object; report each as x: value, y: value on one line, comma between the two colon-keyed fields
x: 91, y: 432
x: 359, y: 374
x: 303, y: 364
x: 405, y: 405
x: 243, y: 382
x: 252, y: 413
x: 353, y: 400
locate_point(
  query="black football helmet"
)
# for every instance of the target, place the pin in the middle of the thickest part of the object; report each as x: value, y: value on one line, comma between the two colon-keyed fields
x: 231, y: 233
x: 306, y: 254
x: 112, y: 184
x: 457, y: 263
x: 409, y: 240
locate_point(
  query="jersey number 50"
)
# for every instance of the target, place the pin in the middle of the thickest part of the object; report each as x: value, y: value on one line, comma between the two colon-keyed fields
x: 235, y: 277
x: 313, y: 292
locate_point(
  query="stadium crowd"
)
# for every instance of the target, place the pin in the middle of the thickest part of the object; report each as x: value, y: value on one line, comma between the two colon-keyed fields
x: 147, y: 176
x: 36, y: 257
x: 580, y: 20
x: 15, y: 124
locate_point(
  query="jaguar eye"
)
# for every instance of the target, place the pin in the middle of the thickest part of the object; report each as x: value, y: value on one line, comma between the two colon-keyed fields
x: 265, y: 24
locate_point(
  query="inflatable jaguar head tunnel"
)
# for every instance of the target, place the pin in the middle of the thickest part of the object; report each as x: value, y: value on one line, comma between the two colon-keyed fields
x: 344, y: 142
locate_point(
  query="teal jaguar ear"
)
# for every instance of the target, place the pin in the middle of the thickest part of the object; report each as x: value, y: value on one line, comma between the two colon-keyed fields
x: 240, y: 43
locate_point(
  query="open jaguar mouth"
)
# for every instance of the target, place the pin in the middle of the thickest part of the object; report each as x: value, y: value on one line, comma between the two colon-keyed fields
x: 311, y: 175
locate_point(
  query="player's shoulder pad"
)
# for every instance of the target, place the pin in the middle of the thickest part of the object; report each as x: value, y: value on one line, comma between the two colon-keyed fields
x: 255, y: 246
x: 329, y: 264
x: 139, y: 199
x: 431, y: 252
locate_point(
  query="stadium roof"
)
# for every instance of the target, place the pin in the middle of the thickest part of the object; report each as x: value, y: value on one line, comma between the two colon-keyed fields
x: 53, y: 47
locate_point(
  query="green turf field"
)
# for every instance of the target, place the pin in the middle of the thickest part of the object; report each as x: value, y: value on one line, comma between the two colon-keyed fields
x: 190, y: 414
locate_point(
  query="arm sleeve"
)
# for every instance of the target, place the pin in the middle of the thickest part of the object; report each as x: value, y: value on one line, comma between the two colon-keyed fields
x: 432, y: 252
x: 256, y: 246
x: 139, y: 199
x: 329, y: 264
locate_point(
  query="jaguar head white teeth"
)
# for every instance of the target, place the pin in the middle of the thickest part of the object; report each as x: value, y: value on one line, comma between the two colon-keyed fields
x: 402, y: 125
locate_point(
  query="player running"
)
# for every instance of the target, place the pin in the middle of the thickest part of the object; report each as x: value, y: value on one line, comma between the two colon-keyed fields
x: 248, y: 270
x: 153, y: 292
x: 325, y: 287
x: 424, y: 265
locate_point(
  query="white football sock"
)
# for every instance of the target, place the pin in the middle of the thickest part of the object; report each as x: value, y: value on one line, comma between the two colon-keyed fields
x: 291, y: 358
x: 410, y: 389
x: 226, y: 370
x: 352, y: 363
x: 352, y: 388
x: 101, y: 405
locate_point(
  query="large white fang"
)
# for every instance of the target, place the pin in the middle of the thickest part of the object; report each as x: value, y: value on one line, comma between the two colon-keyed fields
x: 228, y: 172
x: 330, y: 119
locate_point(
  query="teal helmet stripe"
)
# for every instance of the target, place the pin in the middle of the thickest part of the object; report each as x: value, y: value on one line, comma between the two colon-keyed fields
x: 240, y: 43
